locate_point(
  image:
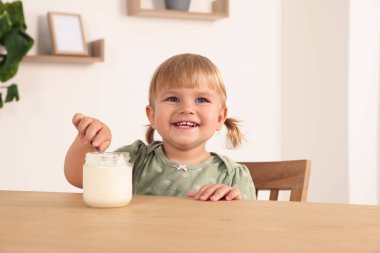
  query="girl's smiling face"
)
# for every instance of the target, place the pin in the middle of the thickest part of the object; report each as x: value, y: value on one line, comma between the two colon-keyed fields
x: 187, y: 117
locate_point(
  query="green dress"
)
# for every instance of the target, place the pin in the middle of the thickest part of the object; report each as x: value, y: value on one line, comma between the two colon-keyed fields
x: 154, y: 174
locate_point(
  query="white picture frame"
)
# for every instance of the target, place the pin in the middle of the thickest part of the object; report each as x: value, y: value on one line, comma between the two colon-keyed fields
x: 66, y: 33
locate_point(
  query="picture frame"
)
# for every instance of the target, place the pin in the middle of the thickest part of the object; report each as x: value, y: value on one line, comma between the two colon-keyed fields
x: 66, y: 33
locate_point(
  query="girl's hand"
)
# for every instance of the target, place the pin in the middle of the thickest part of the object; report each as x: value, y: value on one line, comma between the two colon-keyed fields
x: 215, y: 192
x: 92, y: 132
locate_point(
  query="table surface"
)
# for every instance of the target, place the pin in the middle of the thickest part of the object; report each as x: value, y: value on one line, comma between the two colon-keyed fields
x: 61, y: 222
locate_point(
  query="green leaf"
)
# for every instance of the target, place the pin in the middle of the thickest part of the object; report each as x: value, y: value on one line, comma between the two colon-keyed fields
x: 1, y: 101
x: 5, y: 24
x: 17, y: 43
x: 12, y: 93
x: 11, y: 16
x: 13, y: 37
x: 16, y: 14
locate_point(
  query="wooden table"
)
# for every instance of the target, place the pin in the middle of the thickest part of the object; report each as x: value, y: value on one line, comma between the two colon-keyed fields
x: 61, y: 222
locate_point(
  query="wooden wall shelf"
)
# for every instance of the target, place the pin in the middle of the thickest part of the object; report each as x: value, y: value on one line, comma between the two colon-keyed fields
x: 220, y: 9
x: 96, y: 49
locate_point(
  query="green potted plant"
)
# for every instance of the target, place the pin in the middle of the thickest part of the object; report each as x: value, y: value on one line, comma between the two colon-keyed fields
x: 15, y: 43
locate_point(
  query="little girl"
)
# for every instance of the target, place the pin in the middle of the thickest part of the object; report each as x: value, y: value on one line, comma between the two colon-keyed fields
x: 187, y: 105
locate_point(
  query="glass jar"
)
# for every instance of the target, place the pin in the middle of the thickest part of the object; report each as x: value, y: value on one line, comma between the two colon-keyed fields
x: 107, y: 179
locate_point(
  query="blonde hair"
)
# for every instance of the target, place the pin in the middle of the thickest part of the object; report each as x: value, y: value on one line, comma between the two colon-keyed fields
x: 191, y: 71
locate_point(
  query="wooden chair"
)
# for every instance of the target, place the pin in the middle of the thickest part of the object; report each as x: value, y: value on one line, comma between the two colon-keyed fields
x: 281, y: 175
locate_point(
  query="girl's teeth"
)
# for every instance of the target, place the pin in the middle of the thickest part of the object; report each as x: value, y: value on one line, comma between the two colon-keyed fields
x: 185, y: 124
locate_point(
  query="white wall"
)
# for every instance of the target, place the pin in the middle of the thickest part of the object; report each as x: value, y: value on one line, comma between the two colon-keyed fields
x: 36, y: 131
x: 315, y: 65
x: 364, y: 103
x: 331, y: 72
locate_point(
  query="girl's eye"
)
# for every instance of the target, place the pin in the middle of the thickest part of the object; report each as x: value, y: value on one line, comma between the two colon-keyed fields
x: 201, y: 100
x: 172, y: 99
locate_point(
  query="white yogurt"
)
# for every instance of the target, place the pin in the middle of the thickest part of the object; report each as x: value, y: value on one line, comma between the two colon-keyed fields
x: 107, y: 180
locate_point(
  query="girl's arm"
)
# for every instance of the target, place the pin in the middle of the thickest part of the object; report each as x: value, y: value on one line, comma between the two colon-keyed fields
x: 93, y: 135
x: 74, y: 161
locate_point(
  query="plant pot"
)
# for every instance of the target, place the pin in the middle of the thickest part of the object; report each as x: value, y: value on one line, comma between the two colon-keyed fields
x: 179, y: 5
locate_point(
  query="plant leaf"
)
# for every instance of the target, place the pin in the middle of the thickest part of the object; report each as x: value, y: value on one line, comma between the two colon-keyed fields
x: 17, y: 43
x: 12, y: 93
x: 16, y: 14
x: 1, y: 101
x: 5, y: 23
x: 13, y: 37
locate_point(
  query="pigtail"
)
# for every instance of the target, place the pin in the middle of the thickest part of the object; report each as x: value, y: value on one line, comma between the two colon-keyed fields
x: 149, y: 135
x: 234, y: 135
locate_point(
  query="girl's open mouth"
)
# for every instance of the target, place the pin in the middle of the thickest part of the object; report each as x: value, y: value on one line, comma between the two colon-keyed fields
x: 185, y: 124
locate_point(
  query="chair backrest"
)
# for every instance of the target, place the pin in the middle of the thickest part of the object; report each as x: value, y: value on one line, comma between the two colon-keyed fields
x: 281, y: 175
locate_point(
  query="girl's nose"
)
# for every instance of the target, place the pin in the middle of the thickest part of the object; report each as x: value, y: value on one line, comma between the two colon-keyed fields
x: 186, y: 109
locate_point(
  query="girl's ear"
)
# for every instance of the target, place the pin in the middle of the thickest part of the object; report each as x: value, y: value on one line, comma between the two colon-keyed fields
x: 222, y: 118
x: 150, y: 114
